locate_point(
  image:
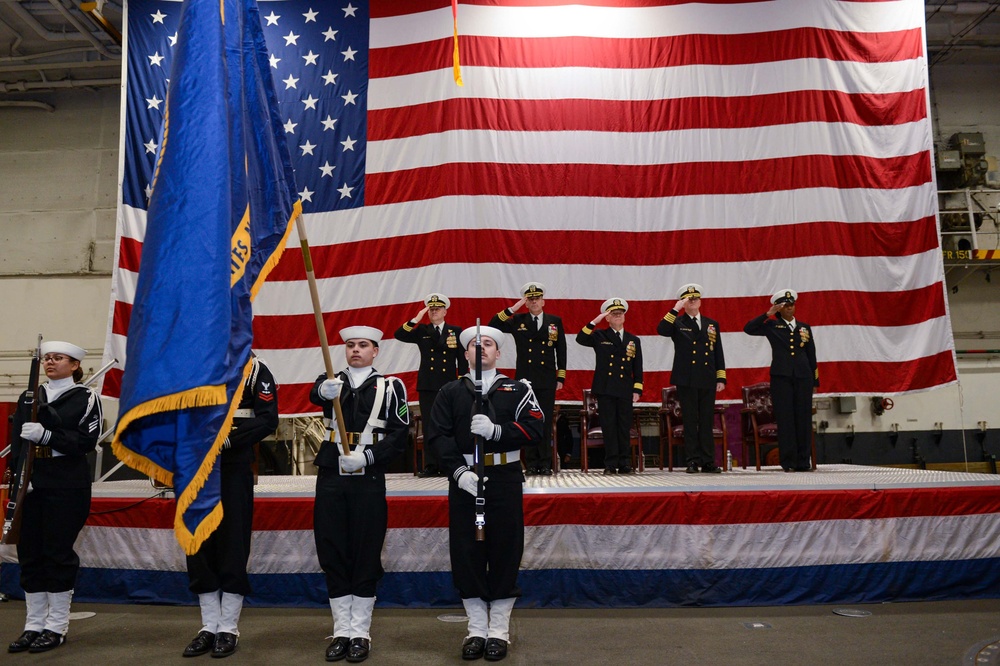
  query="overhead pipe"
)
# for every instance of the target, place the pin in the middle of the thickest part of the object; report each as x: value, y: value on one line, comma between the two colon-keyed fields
x: 27, y: 104
x: 22, y: 86
x: 84, y: 30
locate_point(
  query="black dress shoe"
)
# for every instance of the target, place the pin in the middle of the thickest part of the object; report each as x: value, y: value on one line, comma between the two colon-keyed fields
x: 46, y: 641
x: 626, y: 470
x: 358, y: 650
x: 201, y: 644
x: 496, y: 649
x: 692, y: 469
x: 427, y: 472
x: 803, y: 469
x: 225, y: 644
x: 711, y: 469
x: 337, y: 649
x: 473, y: 648
x: 609, y: 471
x: 788, y: 469
x: 543, y: 471
x: 24, y: 642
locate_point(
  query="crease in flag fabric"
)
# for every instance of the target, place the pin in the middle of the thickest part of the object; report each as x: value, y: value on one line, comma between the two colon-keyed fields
x: 221, y: 205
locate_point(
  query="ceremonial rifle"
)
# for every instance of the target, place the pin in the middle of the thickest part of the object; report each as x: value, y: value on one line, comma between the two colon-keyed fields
x: 480, y: 453
x: 21, y: 478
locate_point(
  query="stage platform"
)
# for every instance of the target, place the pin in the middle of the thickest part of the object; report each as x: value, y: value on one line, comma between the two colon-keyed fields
x: 841, y: 534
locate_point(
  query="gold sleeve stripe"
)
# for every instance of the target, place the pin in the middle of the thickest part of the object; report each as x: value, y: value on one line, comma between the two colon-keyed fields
x: 587, y: 329
x: 561, y: 374
x: 720, y: 374
x: 637, y: 386
x: 408, y: 327
x: 502, y: 315
x: 670, y: 317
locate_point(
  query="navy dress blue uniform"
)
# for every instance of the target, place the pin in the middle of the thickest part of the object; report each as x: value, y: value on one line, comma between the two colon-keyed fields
x: 617, y: 375
x: 442, y: 360
x: 699, y: 364
x: 350, y: 513
x: 58, y: 504
x: 541, y: 359
x: 794, y: 374
x: 486, y: 569
x: 221, y: 562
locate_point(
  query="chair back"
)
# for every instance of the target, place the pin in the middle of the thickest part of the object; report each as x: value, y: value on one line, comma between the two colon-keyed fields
x: 758, y: 398
x: 671, y: 405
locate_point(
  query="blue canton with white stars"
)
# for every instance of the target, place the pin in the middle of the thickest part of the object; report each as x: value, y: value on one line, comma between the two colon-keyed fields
x: 319, y: 63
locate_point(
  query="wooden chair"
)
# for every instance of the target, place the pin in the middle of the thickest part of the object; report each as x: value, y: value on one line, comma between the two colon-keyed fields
x: 672, y: 427
x: 591, y: 434
x: 758, y: 425
x: 418, y: 443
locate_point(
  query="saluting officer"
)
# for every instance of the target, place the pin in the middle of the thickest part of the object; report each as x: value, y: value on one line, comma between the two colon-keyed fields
x: 617, y: 381
x: 350, y: 515
x: 217, y: 573
x: 541, y: 359
x: 442, y: 360
x: 794, y: 373
x: 485, y: 572
x: 699, y: 373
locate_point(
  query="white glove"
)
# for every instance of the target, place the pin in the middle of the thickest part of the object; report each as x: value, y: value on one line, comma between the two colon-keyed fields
x: 482, y: 426
x: 330, y: 388
x: 469, y: 482
x: 353, y: 462
x: 33, y: 432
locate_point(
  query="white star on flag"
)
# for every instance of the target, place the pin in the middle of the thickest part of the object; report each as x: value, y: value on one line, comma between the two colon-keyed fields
x: 291, y: 38
x: 172, y: 39
x: 307, y: 148
x: 310, y: 58
x: 328, y: 123
x: 349, y: 144
x: 272, y: 19
x: 155, y: 59
x: 157, y: 17
x: 345, y: 191
x: 290, y: 82
x: 348, y: 54
x: 349, y: 10
x: 151, y: 146
x: 274, y: 61
x: 311, y: 15
x: 349, y: 98
x: 310, y: 102
x: 329, y: 78
x: 290, y: 127
x: 154, y: 102
x: 330, y: 34
x: 306, y: 194
x: 327, y: 169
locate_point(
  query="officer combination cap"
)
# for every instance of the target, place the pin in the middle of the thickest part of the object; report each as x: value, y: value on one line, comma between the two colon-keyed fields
x: 784, y: 296
x: 469, y: 334
x: 437, y: 301
x: 361, y: 333
x: 690, y: 290
x: 613, y: 304
x: 60, y: 347
x: 532, y: 289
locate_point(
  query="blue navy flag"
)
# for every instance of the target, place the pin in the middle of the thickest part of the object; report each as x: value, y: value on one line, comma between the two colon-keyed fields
x: 221, y: 202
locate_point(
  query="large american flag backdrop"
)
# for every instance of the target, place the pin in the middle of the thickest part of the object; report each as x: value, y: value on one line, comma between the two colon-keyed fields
x: 615, y: 148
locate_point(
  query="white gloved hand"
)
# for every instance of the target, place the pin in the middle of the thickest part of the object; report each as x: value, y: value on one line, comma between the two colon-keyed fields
x: 482, y: 426
x: 33, y: 432
x: 353, y: 462
x: 330, y: 388
x: 469, y: 482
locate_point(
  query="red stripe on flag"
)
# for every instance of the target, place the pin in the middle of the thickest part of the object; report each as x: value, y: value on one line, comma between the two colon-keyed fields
x: 129, y: 251
x: 650, y: 53
x: 804, y: 106
x: 476, y: 246
x: 655, y: 180
x: 390, y: 8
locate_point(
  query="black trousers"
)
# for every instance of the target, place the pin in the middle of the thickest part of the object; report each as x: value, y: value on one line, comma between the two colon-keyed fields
x: 432, y: 460
x: 221, y: 562
x: 52, y: 520
x: 488, y: 569
x: 616, y: 422
x: 350, y: 518
x: 539, y: 455
x: 792, y: 399
x: 698, y: 411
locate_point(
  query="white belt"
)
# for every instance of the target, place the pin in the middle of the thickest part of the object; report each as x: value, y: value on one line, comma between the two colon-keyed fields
x: 244, y: 413
x: 355, y: 438
x: 491, y: 459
